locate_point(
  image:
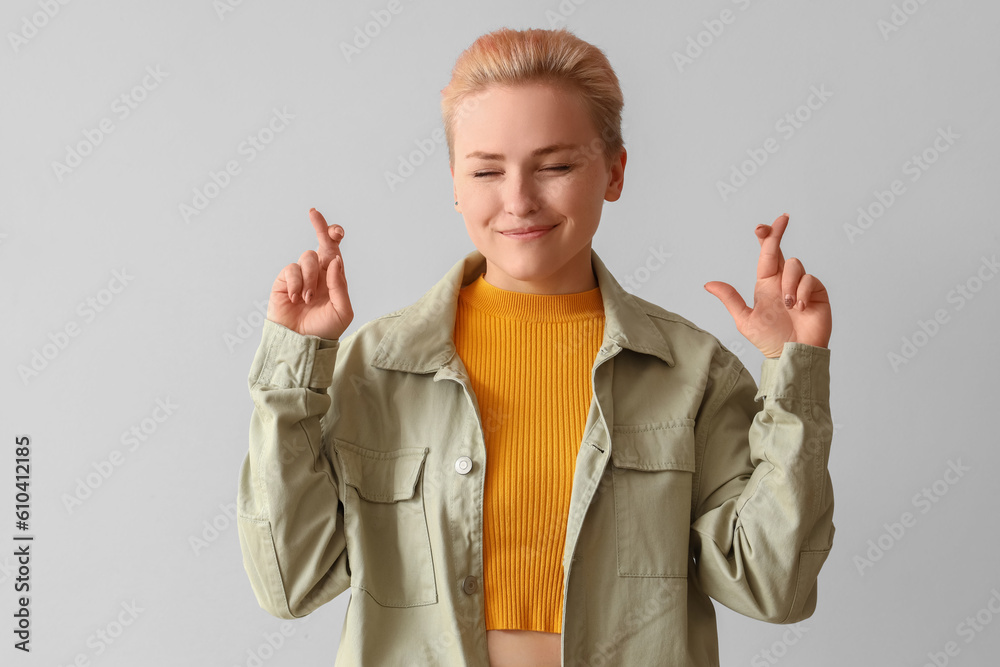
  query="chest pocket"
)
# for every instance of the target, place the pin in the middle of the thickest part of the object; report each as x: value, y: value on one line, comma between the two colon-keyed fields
x: 388, y: 544
x: 652, y: 468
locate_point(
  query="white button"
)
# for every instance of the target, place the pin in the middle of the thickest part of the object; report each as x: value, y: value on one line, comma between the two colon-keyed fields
x: 463, y: 465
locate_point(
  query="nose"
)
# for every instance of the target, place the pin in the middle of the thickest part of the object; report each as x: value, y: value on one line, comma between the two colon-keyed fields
x: 521, y: 196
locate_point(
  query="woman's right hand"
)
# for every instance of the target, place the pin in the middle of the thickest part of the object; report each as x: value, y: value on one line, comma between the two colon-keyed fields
x: 310, y: 296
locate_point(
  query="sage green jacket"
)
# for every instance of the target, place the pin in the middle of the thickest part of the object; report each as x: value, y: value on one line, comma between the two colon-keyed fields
x: 367, y: 462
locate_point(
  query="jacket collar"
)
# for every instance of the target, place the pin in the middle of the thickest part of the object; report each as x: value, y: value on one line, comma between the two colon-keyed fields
x: 421, y: 340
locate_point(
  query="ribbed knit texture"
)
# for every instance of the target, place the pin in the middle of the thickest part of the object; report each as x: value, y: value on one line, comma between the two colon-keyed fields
x: 529, y: 358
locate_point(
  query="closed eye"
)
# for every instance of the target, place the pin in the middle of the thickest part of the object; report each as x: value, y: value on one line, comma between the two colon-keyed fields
x: 562, y: 168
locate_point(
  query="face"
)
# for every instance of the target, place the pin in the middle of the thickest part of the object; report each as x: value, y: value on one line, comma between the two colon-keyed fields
x: 531, y: 180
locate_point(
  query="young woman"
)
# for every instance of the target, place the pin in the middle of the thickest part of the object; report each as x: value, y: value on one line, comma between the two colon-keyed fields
x: 529, y: 465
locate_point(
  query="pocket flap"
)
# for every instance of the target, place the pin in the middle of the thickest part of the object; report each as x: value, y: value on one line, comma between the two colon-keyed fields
x: 661, y: 446
x: 383, y: 477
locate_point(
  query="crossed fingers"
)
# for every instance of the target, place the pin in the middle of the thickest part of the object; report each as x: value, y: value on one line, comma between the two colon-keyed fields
x: 796, y: 284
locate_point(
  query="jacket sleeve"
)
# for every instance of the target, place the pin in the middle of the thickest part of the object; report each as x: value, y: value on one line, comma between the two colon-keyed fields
x: 289, y: 515
x: 763, y: 517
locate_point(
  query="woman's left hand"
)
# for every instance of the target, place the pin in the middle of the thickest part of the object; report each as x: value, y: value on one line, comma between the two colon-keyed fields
x: 772, y: 322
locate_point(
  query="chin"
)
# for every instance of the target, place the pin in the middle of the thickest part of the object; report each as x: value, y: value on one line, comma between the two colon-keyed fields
x: 529, y: 268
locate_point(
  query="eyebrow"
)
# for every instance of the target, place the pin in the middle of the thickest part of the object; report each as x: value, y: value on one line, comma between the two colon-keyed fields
x: 535, y: 153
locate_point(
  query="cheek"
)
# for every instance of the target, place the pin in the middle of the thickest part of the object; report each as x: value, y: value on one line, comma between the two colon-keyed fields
x: 581, y: 192
x: 477, y: 214
x: 478, y: 200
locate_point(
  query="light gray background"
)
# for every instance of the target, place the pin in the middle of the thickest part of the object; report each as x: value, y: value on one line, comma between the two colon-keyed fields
x: 185, y: 327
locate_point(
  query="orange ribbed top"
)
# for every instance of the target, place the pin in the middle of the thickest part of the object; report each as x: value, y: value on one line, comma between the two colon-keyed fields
x: 529, y: 358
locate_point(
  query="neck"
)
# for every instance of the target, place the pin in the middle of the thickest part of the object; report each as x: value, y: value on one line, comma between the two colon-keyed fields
x: 576, y: 276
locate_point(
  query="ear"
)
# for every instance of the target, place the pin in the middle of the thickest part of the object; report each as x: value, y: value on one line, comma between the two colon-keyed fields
x: 617, y: 177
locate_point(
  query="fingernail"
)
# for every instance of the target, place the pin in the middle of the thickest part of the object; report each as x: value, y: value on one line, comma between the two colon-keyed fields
x: 789, y: 301
x: 308, y: 295
x: 801, y: 305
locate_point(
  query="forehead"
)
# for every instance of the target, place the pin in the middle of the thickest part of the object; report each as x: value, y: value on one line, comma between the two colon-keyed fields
x: 504, y: 119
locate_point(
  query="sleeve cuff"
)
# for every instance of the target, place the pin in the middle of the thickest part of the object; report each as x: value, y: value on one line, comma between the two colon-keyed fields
x: 802, y: 371
x: 288, y: 359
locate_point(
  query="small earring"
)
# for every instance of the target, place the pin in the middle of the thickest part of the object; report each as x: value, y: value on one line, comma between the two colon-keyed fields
x: 456, y: 202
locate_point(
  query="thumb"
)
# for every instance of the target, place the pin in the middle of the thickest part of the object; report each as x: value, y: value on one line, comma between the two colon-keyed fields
x: 731, y: 299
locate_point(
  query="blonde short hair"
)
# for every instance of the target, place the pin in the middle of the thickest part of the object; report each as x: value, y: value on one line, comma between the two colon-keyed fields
x: 510, y: 57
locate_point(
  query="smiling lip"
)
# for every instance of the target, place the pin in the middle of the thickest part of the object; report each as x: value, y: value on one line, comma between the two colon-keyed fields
x: 525, y: 233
